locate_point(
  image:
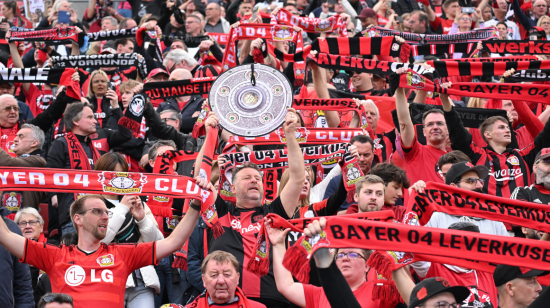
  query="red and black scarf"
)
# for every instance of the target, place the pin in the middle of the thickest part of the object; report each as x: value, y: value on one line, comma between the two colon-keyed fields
x: 175, y: 88
x: 528, y: 92
x: 54, y: 34
x: 309, y: 24
x: 473, y: 36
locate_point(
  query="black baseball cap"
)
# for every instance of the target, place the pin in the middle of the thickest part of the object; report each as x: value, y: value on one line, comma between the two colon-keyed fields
x: 504, y: 273
x: 430, y: 287
x: 458, y: 169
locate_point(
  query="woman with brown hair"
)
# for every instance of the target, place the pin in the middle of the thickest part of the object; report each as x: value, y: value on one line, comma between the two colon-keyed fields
x: 131, y: 221
x: 11, y: 12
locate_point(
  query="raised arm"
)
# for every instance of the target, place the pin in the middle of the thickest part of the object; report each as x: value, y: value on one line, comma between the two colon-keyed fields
x: 17, y: 61
x: 293, y: 291
x: 320, y: 83
x: 14, y: 243
x: 406, y: 125
x: 291, y: 193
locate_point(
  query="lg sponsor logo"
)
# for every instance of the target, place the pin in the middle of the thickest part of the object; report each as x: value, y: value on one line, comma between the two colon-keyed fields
x: 76, y: 275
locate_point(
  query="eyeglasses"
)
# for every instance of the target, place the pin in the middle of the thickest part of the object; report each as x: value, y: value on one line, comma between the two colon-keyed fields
x: 351, y: 255
x: 15, y: 108
x: 473, y: 181
x: 171, y: 119
x: 23, y: 224
x: 96, y: 211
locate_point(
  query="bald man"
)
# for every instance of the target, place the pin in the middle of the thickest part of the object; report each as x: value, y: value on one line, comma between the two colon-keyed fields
x: 215, y: 23
x: 189, y: 107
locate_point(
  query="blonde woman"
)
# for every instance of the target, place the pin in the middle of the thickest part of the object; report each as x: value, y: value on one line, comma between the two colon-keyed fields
x: 103, y: 98
x: 544, y: 22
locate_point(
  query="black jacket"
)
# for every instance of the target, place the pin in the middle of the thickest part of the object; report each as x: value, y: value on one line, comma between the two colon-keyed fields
x: 405, y: 6
x: 187, y: 118
x: 58, y: 157
x: 15, y: 281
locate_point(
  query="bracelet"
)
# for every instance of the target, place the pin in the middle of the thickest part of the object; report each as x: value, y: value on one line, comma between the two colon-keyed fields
x: 195, y: 207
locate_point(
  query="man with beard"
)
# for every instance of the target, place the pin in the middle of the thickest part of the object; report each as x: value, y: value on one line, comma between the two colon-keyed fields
x: 466, y: 176
x: 92, y: 267
x: 540, y: 191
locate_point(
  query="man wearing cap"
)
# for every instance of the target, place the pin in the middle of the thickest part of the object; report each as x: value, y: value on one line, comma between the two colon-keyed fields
x: 540, y: 191
x: 368, y: 18
x: 466, y: 176
x: 517, y: 286
x: 431, y: 292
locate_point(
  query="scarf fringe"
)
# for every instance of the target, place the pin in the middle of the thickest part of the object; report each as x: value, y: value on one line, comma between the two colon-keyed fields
x: 297, y: 262
x: 386, y: 292
x: 180, y: 261
x: 380, y: 263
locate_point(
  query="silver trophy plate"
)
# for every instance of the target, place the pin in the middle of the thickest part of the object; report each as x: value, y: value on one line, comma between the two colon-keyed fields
x: 249, y: 110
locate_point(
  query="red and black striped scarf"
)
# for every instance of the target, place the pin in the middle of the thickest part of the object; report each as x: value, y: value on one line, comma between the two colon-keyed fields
x: 347, y: 46
x: 528, y: 92
x: 472, y: 36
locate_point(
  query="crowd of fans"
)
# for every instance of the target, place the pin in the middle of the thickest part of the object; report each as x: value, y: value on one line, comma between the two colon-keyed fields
x: 72, y: 248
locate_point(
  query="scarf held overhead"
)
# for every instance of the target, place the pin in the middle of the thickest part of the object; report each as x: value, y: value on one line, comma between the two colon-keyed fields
x: 528, y: 92
x: 99, y: 182
x: 342, y: 232
x: 112, y: 34
x: 455, y: 201
x: 175, y: 88
x: 105, y: 60
x: 476, y: 35
x: 54, y: 34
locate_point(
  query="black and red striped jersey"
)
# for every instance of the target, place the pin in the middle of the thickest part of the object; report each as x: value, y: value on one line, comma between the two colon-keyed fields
x: 507, y: 170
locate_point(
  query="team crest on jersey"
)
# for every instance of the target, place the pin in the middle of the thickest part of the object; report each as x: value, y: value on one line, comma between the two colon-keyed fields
x: 122, y: 182
x: 319, y: 239
x: 301, y: 134
x: 401, y: 257
x: 512, y: 160
x: 12, y: 201
x: 415, y: 80
x: 106, y: 260
x: 323, y: 26
x: 282, y: 33
x: 353, y: 174
x: 411, y: 218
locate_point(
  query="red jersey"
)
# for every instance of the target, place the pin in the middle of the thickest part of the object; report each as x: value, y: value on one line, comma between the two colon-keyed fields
x: 483, y: 292
x: 421, y: 162
x: 96, y: 279
x: 316, y: 298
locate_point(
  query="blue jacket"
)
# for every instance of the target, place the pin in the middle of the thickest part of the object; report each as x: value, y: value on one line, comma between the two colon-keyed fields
x: 15, y: 281
x: 195, y: 255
